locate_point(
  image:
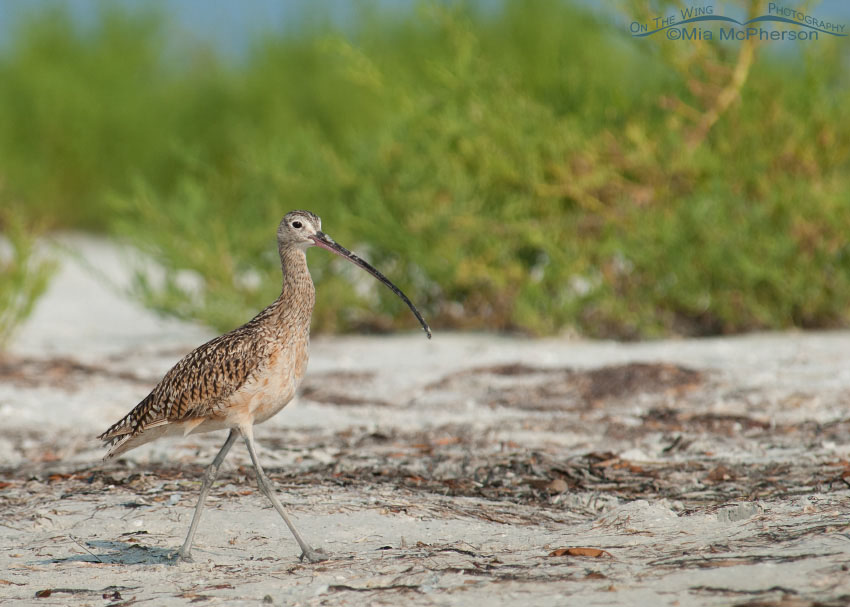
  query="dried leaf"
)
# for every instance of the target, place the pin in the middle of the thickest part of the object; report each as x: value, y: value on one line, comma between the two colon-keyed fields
x: 451, y: 440
x: 558, y: 485
x: 591, y: 552
x: 719, y: 474
x: 606, y: 463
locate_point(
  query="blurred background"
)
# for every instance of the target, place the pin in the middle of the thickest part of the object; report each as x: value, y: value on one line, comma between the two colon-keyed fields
x: 513, y: 165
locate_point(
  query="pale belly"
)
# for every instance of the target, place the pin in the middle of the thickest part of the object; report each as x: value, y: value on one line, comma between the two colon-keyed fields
x: 261, y: 397
x: 273, y: 390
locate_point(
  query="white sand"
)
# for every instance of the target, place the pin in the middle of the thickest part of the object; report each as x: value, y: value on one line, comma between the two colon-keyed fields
x: 437, y: 549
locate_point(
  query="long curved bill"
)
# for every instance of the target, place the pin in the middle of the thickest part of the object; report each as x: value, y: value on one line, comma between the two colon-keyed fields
x: 326, y: 242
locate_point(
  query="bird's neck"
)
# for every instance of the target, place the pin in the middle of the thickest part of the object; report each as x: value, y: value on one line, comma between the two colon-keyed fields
x: 297, y: 295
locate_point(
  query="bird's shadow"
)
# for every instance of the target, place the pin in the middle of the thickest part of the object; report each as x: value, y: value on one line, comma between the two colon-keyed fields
x: 120, y: 553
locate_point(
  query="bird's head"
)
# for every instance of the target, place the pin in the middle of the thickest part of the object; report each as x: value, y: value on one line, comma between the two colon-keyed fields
x: 303, y: 229
x: 299, y: 228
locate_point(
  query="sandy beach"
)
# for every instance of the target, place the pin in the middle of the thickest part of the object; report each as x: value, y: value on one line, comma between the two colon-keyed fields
x: 471, y: 469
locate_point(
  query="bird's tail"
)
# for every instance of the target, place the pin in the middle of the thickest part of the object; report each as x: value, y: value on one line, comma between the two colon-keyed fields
x: 128, y: 432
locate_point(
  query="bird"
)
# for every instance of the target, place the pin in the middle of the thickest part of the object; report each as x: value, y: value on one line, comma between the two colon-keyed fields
x: 246, y: 376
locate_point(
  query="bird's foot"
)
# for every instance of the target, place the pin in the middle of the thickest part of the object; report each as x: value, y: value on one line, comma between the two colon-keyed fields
x: 183, y: 557
x: 313, y: 555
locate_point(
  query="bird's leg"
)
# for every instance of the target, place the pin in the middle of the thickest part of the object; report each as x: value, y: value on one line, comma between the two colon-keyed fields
x: 185, y: 554
x: 307, y: 552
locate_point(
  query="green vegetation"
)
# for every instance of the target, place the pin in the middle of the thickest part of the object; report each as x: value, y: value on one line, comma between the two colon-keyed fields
x: 530, y: 168
x: 22, y: 277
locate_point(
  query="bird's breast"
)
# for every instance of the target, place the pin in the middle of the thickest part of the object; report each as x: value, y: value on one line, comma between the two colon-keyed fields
x: 273, y: 388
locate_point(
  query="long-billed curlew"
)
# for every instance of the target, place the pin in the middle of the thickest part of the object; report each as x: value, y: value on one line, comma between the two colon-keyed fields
x: 243, y: 377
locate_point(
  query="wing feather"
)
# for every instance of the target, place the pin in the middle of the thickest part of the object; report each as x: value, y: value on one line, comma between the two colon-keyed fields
x: 197, y: 386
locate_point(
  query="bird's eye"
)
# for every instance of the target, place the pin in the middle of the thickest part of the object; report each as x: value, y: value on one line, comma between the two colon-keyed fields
x: 296, y: 225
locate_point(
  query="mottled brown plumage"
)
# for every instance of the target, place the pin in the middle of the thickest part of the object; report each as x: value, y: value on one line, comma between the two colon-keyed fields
x: 199, y: 392
x: 245, y: 376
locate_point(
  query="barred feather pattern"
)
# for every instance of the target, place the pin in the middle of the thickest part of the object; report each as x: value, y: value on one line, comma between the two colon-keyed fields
x: 203, y: 384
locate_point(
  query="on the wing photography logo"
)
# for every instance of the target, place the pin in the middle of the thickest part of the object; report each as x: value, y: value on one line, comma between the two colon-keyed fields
x: 702, y: 23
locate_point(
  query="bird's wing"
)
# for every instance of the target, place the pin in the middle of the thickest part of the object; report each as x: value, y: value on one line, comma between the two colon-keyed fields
x: 194, y: 387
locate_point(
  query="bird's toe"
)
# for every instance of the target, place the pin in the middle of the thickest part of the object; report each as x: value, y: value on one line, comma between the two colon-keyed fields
x: 312, y: 555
